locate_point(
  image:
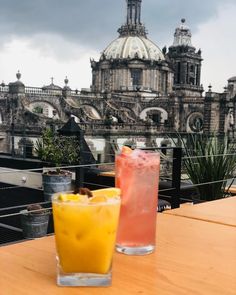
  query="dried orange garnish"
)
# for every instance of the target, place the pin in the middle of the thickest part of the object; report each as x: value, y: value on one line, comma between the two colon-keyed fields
x: 85, y: 191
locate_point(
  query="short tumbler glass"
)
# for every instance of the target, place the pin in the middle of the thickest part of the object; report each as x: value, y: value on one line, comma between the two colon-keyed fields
x: 85, y: 236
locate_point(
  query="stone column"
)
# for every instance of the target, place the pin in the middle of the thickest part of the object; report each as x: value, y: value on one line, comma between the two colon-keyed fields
x: 144, y: 77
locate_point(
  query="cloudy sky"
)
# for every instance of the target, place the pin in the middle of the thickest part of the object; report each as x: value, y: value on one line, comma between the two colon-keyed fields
x: 57, y: 38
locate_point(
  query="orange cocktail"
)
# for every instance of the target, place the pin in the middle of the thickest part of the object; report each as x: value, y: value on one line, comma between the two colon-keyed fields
x: 137, y: 175
x: 85, y: 233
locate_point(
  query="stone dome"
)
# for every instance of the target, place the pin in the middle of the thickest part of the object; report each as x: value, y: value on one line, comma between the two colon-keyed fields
x: 232, y: 79
x: 51, y: 87
x: 133, y: 47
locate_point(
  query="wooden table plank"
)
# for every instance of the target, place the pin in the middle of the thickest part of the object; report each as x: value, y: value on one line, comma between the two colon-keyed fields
x: 192, y: 257
x: 221, y: 211
x: 231, y: 189
x: 108, y: 174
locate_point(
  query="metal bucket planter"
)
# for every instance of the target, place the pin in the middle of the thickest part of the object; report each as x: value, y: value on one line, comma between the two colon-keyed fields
x: 54, y: 183
x: 34, y: 225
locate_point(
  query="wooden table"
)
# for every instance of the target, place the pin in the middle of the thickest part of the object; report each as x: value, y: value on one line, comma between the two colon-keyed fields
x: 192, y: 257
x: 221, y: 211
x: 231, y: 189
x: 108, y: 174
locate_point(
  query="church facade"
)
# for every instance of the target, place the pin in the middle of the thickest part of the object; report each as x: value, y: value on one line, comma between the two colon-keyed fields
x: 139, y: 94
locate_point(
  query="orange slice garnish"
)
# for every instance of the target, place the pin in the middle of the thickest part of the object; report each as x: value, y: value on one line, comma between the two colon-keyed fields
x: 100, y: 195
x: 126, y: 150
x: 73, y: 197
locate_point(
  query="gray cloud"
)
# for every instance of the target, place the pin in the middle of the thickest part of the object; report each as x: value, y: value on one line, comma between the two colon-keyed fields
x: 93, y: 23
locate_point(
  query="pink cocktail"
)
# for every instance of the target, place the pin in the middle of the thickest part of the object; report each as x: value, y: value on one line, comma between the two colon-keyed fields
x: 137, y: 175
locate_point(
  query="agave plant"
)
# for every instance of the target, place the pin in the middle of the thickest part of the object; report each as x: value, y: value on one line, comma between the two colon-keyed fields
x: 209, y: 161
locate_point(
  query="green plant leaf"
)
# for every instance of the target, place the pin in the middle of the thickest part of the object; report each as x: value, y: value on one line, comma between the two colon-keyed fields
x: 208, y: 159
x: 58, y: 150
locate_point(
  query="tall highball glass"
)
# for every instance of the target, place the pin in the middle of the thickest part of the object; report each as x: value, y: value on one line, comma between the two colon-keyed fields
x: 137, y: 175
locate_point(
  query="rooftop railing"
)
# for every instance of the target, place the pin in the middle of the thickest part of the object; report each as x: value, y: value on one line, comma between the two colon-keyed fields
x: 175, y: 187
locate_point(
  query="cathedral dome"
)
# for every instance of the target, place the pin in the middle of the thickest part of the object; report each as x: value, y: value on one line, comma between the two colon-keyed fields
x: 133, y: 47
x: 51, y: 87
x: 232, y: 79
x: 132, y: 62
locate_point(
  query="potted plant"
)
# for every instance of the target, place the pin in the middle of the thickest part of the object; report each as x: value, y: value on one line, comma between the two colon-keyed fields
x: 34, y: 221
x: 209, y: 162
x: 57, y: 150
